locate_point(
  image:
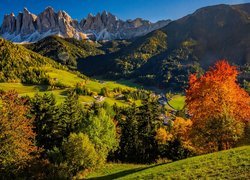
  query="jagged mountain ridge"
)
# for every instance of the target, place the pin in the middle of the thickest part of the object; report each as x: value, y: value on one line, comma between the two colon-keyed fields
x: 28, y: 27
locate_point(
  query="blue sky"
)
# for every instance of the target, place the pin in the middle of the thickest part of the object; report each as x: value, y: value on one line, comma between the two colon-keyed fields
x: 125, y: 9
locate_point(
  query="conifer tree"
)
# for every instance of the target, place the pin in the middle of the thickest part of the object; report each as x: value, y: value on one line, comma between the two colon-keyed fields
x: 45, y: 110
x: 71, y: 115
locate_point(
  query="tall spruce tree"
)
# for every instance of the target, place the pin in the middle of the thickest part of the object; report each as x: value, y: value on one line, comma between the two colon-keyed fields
x: 71, y: 115
x: 44, y: 108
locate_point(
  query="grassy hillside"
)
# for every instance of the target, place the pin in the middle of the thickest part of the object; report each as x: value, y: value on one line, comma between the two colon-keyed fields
x: 230, y: 164
x: 69, y: 80
x: 177, y: 102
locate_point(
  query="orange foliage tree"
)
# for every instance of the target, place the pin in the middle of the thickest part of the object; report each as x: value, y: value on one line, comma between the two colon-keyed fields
x: 16, y: 135
x: 179, y: 131
x: 219, y: 107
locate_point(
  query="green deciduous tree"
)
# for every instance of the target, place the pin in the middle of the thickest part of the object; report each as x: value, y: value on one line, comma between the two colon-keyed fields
x: 101, y: 130
x: 80, y: 153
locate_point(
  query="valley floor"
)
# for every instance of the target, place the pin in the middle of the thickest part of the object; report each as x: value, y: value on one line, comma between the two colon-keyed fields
x: 230, y: 164
x: 177, y: 101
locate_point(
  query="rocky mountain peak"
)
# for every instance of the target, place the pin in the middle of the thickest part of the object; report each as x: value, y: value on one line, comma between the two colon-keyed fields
x: 9, y: 23
x: 104, y: 13
x: 103, y: 26
x: 90, y: 15
x: 28, y: 22
x: 49, y: 9
x: 25, y: 10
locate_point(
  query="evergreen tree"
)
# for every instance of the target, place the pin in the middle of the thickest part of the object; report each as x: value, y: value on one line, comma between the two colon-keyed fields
x: 71, y: 115
x: 148, y: 123
x: 129, y: 140
x: 138, y: 129
x: 46, y: 120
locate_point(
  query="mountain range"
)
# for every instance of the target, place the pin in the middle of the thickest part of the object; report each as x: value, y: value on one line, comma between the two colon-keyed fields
x: 153, y: 54
x: 28, y: 27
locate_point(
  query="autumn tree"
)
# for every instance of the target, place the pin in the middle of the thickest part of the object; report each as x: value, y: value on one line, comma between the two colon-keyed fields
x: 16, y: 135
x: 179, y: 130
x: 174, y: 141
x: 219, y: 107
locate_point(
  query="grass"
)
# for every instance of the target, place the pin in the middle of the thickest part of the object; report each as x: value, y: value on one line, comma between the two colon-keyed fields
x: 177, y: 102
x: 31, y: 90
x: 112, y: 171
x: 229, y: 164
x: 65, y: 77
x: 70, y: 80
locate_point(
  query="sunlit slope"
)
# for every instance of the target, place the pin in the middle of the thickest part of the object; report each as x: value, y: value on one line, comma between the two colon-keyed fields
x: 230, y: 164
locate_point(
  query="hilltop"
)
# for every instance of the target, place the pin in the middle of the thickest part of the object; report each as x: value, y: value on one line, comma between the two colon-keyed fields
x: 65, y: 51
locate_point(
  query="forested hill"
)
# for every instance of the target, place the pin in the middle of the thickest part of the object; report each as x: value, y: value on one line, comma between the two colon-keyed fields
x: 18, y: 64
x: 66, y: 51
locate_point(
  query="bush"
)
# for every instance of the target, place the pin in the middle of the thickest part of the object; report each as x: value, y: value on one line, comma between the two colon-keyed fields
x: 80, y: 153
x: 80, y: 89
x: 43, y: 169
x: 105, y: 92
x: 56, y: 84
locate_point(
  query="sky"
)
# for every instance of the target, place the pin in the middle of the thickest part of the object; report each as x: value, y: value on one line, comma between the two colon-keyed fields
x: 152, y: 10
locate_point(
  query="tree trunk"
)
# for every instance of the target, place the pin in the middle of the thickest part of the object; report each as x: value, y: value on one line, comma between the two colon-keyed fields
x: 220, y: 145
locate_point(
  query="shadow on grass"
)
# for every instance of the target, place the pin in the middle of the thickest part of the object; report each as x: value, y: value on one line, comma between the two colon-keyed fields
x: 123, y: 173
x: 40, y: 88
x: 64, y: 93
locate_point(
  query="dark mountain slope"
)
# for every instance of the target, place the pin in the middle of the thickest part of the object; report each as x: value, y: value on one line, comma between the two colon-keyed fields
x: 129, y: 58
x: 165, y: 57
x: 220, y: 31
